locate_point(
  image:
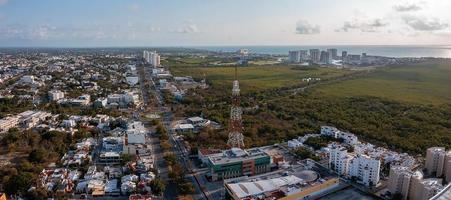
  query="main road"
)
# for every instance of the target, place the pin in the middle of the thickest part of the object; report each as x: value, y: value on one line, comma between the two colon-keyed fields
x: 148, y: 85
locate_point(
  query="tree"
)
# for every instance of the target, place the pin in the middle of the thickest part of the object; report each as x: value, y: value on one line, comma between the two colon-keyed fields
x: 126, y: 158
x: 304, y: 153
x: 37, y: 155
x: 170, y: 158
x: 186, y: 188
x: 157, y: 186
x: 19, y: 183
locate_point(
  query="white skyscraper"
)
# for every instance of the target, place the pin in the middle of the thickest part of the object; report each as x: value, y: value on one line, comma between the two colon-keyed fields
x: 152, y: 58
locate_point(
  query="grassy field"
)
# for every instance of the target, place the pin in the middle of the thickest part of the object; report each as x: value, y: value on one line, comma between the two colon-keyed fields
x: 255, y: 78
x: 421, y: 83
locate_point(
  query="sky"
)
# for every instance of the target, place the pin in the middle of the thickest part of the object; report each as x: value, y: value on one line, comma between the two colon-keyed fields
x: 91, y: 23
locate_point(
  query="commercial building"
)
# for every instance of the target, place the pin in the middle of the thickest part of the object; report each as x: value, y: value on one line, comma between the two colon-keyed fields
x: 305, y: 181
x: 237, y: 162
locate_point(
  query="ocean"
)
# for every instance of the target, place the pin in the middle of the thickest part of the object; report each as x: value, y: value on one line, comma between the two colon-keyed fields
x: 376, y: 50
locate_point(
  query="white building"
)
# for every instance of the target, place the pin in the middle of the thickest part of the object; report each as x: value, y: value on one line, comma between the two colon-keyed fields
x: 55, y: 95
x: 339, y: 159
x: 125, y: 98
x: 152, y: 58
x: 366, y: 169
x: 136, y: 133
x: 7, y: 123
x: 347, y: 138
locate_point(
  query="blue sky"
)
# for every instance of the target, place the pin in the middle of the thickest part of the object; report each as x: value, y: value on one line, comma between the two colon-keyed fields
x: 85, y: 23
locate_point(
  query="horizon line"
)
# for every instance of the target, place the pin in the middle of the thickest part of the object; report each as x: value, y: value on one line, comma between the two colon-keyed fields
x: 217, y: 45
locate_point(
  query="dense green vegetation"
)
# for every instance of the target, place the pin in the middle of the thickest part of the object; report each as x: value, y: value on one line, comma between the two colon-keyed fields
x: 425, y: 83
x: 272, y: 116
x: 304, y: 153
x: 256, y: 78
x: 39, y: 149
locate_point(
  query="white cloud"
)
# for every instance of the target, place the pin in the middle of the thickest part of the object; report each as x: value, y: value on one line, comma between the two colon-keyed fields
x: 407, y: 7
x: 419, y: 23
x: 189, y: 28
x: 305, y: 28
x: 86, y: 32
x: 363, y: 25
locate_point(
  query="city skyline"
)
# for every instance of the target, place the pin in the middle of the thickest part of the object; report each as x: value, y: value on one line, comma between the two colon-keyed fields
x: 51, y: 23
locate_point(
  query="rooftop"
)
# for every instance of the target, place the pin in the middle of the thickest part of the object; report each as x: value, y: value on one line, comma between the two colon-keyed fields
x: 280, y: 183
x: 236, y: 155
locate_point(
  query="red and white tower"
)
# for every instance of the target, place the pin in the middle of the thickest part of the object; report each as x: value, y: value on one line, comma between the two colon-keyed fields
x: 235, y: 124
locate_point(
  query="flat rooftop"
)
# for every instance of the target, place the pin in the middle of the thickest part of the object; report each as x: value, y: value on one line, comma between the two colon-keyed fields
x: 236, y: 155
x: 280, y: 183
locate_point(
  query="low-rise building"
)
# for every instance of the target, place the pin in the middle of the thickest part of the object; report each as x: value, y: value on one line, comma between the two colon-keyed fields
x: 198, y: 122
x: 8, y: 122
x: 55, y: 95
x: 237, y: 162
x: 307, y: 181
x: 183, y: 128
x: 347, y: 138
